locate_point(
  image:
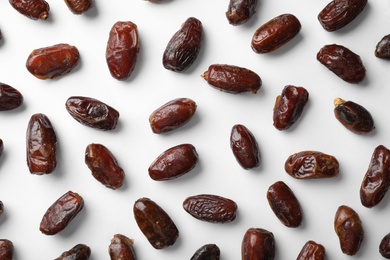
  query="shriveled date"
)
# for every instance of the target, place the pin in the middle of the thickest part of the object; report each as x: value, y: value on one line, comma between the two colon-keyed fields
x: 10, y: 98
x: 240, y: 11
x: 33, y: 9
x: 258, y: 243
x: 6, y: 249
x: 382, y: 49
x: 384, y: 246
x: 78, y: 252
x: 79, y: 6
x: 121, y: 248
x: 207, y: 252
x: 245, y: 147
x: 312, y: 251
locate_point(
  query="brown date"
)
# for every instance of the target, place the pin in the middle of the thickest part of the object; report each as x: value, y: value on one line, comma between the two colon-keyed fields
x: 121, y: 248
x: 10, y: 98
x: 155, y: 223
x: 172, y: 115
x: 207, y: 252
x: 1, y: 146
x: 92, y: 112
x: 122, y: 49
x: 275, y: 33
x: 384, y: 246
x: 78, y: 252
x: 211, y: 208
x: 240, y: 11
x: 184, y: 46
x: 174, y: 162
x: 349, y: 230
x: 353, y: 116
x: 284, y: 204
x: 289, y: 106
x: 312, y: 251
x: 33, y: 9
x: 1, y: 207
x: 52, y: 61
x: 311, y: 164
x: 376, y: 181
x: 104, y: 166
x: 339, y: 13
x: 79, y: 6
x: 6, y: 249
x: 41, y: 145
x: 382, y: 49
x: 244, y: 147
x: 232, y: 79
x: 258, y: 243
x: 61, y: 213
x: 346, y: 64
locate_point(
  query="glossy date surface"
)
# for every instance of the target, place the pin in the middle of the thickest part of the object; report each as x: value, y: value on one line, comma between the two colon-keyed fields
x: 240, y: 11
x: 6, y: 249
x: 382, y: 49
x: 10, y: 98
x: 207, y: 252
x: 384, y: 246
x: 258, y: 243
x: 78, y: 252
x: 312, y: 251
x: 33, y: 9
x: 121, y: 248
x: 245, y: 147
x: 79, y: 6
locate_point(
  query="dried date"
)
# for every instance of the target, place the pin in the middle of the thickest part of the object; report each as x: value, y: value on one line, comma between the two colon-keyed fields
x: 121, y: 248
x: 312, y: 251
x: 10, y: 98
x: 382, y: 49
x: 79, y: 6
x: 6, y: 249
x: 240, y: 11
x: 258, y: 243
x: 1, y: 207
x: 245, y: 147
x: 33, y: 9
x: 78, y: 252
x: 1, y: 146
x: 384, y: 246
x: 207, y: 252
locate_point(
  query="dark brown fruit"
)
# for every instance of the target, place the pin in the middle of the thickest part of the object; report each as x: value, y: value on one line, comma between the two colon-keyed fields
x: 33, y: 9
x: 6, y: 249
x: 121, y: 248
x: 78, y: 252
x: 384, y: 246
x: 258, y: 244
x: 240, y: 11
x: 207, y: 252
x: 382, y: 49
x: 312, y: 251
x: 244, y: 147
x: 79, y: 6
x: 10, y: 98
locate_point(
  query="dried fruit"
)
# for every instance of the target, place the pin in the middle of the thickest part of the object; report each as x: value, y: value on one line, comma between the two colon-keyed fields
x: 122, y: 49
x: 78, y: 252
x: 79, y: 6
x: 207, y: 252
x: 382, y: 49
x: 184, y: 46
x: 1, y: 207
x: 33, y: 9
x: 10, y: 98
x: 121, y: 248
x: 6, y: 249
x: 258, y: 243
x: 240, y: 11
x: 155, y: 223
x: 384, y: 246
x: 53, y: 61
x: 1, y: 146
x: 312, y: 251
x: 211, y: 208
x: 244, y: 147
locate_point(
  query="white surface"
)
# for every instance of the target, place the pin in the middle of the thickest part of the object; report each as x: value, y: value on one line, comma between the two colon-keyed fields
x: 107, y: 212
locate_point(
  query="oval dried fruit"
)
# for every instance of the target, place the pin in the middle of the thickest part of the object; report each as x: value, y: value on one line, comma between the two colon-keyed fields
x: 78, y: 252
x: 10, y: 98
x: 384, y: 246
x: 245, y: 147
x: 382, y: 49
x: 33, y: 9
x: 6, y: 249
x: 240, y: 11
x: 312, y: 251
x: 207, y: 252
x: 79, y: 6
x: 121, y: 248
x: 258, y: 243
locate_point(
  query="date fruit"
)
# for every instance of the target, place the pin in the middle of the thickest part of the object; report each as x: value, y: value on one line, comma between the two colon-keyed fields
x: 289, y: 106
x: 10, y: 98
x: 311, y: 164
x: 384, y: 246
x: 232, y: 79
x: 121, y: 248
x: 155, y: 223
x: 1, y: 207
x: 211, y: 208
x: 258, y: 243
x: 349, y: 230
x: 33, y: 9
x: 79, y: 6
x: 207, y: 252
x: 184, y: 46
x: 346, y: 64
x: 339, y: 13
x: 41, y: 145
x: 376, y: 181
x: 6, y: 249
x: 240, y: 11
x: 382, y: 49
x: 92, y: 112
x: 172, y: 115
x: 284, y: 204
x: 275, y: 33
x: 122, y: 49
x: 353, y: 116
x: 245, y: 147
x: 312, y: 251
x: 53, y: 61
x: 61, y: 213
x: 78, y: 252
x: 174, y: 162
x: 104, y: 166
x: 1, y: 146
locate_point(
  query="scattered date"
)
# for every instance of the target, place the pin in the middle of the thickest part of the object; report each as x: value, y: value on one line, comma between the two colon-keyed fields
x: 240, y: 11
x: 6, y: 249
x: 258, y: 243
x: 312, y: 251
x: 245, y: 147
x: 121, y: 248
x: 382, y: 49
x: 78, y: 252
x: 79, y: 6
x: 10, y: 98
x: 207, y: 252
x: 33, y: 9
x: 384, y: 246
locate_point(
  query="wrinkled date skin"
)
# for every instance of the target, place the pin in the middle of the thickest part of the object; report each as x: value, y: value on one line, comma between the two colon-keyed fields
x: 92, y: 112
x: 10, y: 98
x: 284, y: 204
x: 339, y: 13
x: 240, y: 11
x: 349, y: 229
x: 172, y: 115
x: 78, y: 252
x: 211, y: 208
x: 207, y: 252
x: 275, y: 33
x: 353, y: 116
x: 245, y: 147
x: 1, y: 146
x: 184, y: 46
x: 174, y: 162
x: 232, y: 79
x: 257, y: 244
x: 384, y: 246
x: 53, y: 61
x: 122, y: 49
x: 346, y: 64
x: 41, y: 145
x: 155, y: 223
x: 289, y: 106
x: 1, y: 207
x: 6, y: 249
x: 104, y: 166
x: 121, y: 248
x: 382, y: 49
x: 33, y: 9
x: 311, y: 164
x: 376, y: 181
x: 312, y: 251
x: 61, y: 213
x: 79, y: 6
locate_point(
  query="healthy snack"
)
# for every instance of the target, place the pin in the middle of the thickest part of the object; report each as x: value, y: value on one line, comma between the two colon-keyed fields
x: 240, y: 11
x: 312, y: 251
x: 10, y: 98
x: 172, y: 115
x: 79, y: 6
x: 1, y: 146
x: 155, y: 223
x: 384, y: 246
x: 1, y: 207
x: 258, y: 243
x: 211, y: 208
x: 122, y: 49
x: 104, y: 166
x: 289, y: 106
x: 61, y: 213
x: 207, y: 252
x: 232, y: 79
x: 41, y: 145
x: 244, y: 146
x: 184, y: 46
x: 6, y: 249
x: 78, y: 252
x: 382, y: 49
x: 353, y: 116
x: 275, y: 33
x: 121, y: 248
x: 339, y: 13
x: 53, y: 61
x: 33, y: 9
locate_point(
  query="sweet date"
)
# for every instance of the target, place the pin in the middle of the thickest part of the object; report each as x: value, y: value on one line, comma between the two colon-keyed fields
x: 78, y: 252
x: 382, y: 49
x: 258, y: 243
x: 6, y: 249
x: 240, y: 11
x: 207, y: 252
x: 121, y: 248
x: 10, y: 98
x: 384, y: 246
x: 33, y: 9
x: 79, y: 6
x: 312, y: 251
x: 245, y: 147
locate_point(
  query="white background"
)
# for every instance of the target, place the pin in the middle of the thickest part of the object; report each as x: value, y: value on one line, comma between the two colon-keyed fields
x: 26, y: 197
